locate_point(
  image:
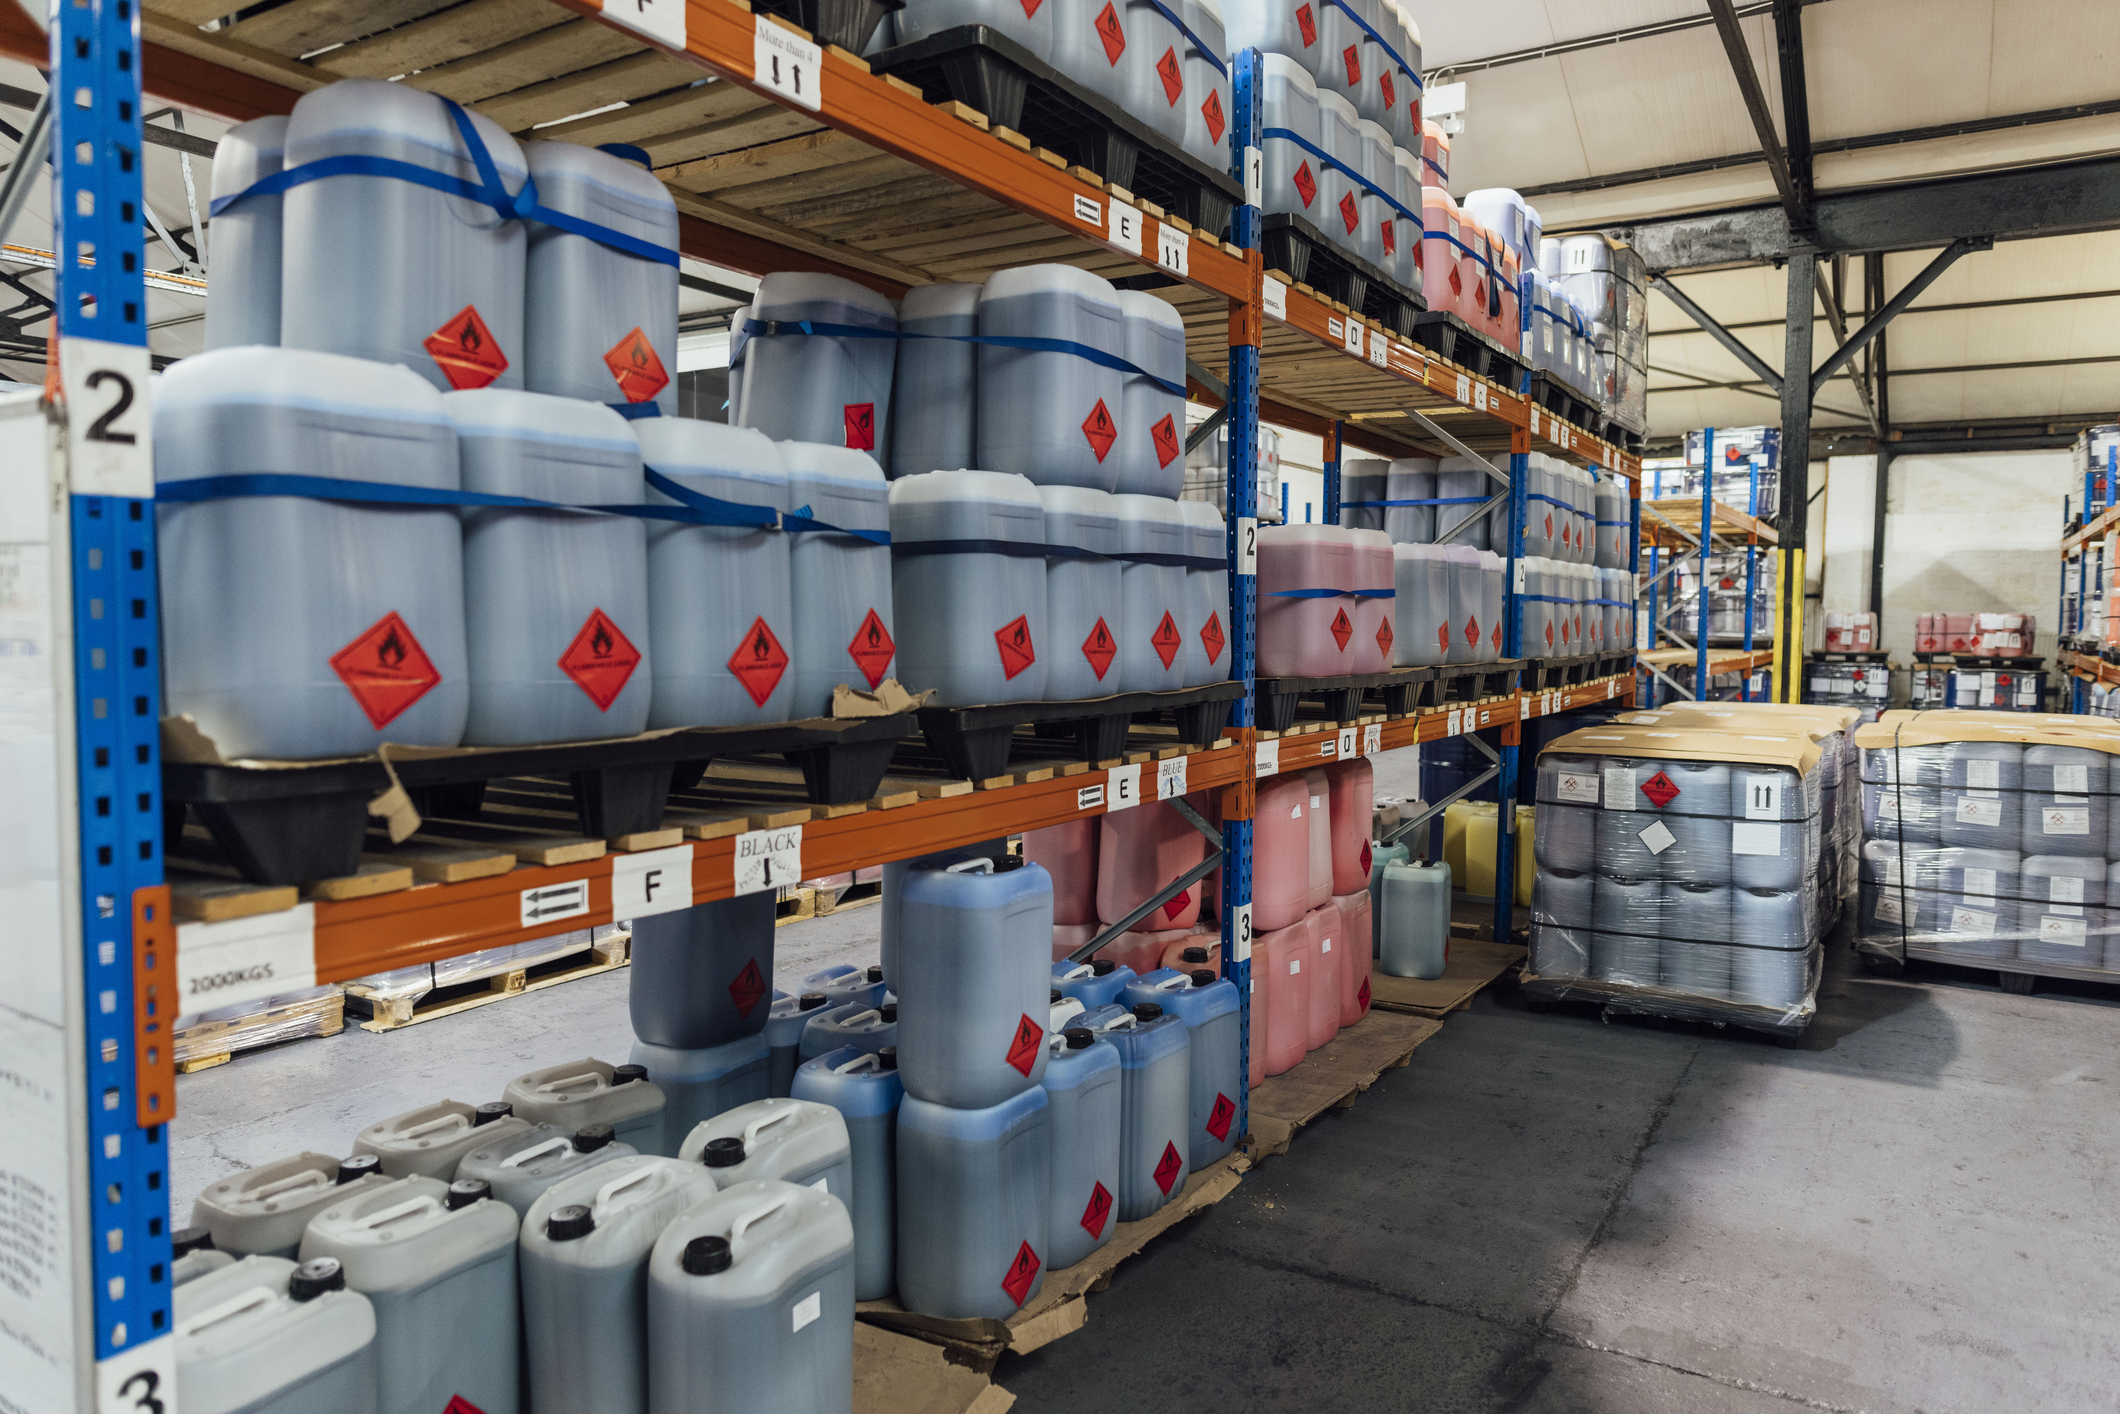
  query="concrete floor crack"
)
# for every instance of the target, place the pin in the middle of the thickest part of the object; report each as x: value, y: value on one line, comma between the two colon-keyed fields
x: 1727, y: 1381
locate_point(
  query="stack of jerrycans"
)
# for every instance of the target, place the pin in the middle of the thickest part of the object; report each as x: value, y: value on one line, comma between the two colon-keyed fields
x: 701, y: 994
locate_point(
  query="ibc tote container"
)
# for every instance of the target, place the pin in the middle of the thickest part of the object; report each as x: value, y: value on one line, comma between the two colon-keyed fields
x: 830, y: 388
x: 1050, y: 416
x: 1339, y: 208
x: 1207, y: 84
x: 971, y: 625
x: 1150, y: 454
x: 841, y: 583
x: 1207, y: 592
x: 245, y: 308
x: 1291, y: 180
x: 387, y: 270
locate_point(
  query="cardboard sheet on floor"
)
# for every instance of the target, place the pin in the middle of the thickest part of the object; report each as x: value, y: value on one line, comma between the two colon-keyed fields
x: 1331, y: 1076
x: 896, y: 1374
x: 1473, y: 964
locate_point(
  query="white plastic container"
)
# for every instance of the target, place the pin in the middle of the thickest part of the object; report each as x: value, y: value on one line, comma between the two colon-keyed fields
x: 830, y: 388
x: 294, y: 627
x: 971, y: 624
x: 722, y: 601
x: 934, y: 394
x: 391, y: 271
x: 1033, y: 29
x: 1208, y: 1007
x: 1462, y: 480
x: 1207, y: 84
x: 590, y: 1091
x: 263, y: 1336
x: 1362, y: 484
x: 864, y: 1087
x: 1082, y: 596
x: 1156, y: 653
x: 1285, y: 29
x: 841, y: 583
x: 974, y: 1190
x: 1154, y: 1084
x: 1412, y: 920
x: 1291, y: 181
x: 1407, y: 232
x: 1150, y: 452
x: 1207, y: 592
x: 430, y: 1141
x: 1111, y: 50
x: 793, y: 1140
x: 518, y: 1169
x: 1410, y: 479
x: 894, y: 875
x: 1340, y: 211
x: 262, y: 1211
x: 1402, y: 96
x: 1421, y: 610
x: 972, y: 997
x: 1377, y: 241
x: 600, y: 323
x: 245, y: 308
x: 192, y: 1254
x: 1051, y: 416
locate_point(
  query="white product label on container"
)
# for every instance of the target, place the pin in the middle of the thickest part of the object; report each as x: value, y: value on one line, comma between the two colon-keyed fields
x: 1324, y: 945
x: 241, y: 959
x: 1247, y: 544
x: 1173, y: 249
x: 1089, y: 210
x: 1755, y: 839
x: 1979, y: 810
x: 768, y: 859
x: 1170, y: 778
x: 1983, y: 775
x: 1122, y: 787
x: 2064, y: 888
x: 1763, y: 797
x: 1824, y: 686
x: 1889, y: 909
x: 1346, y: 742
x: 662, y: 20
x: 2067, y: 932
x: 1295, y: 966
x: 652, y: 881
x: 785, y: 63
x: 1973, y: 921
x: 1266, y: 758
x: 1372, y: 738
x: 1576, y: 787
x: 1276, y: 300
x: 808, y: 1309
x: 1124, y: 228
x: 2065, y: 819
x: 1978, y: 881
x: 1888, y: 805
x: 1240, y: 931
x: 1619, y: 787
x: 1657, y: 837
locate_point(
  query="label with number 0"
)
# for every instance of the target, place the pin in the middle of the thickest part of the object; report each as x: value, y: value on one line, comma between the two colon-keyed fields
x: 662, y: 20
x: 768, y: 859
x: 108, y: 448
x: 1170, y: 778
x: 785, y: 63
x: 1123, y: 230
x: 1173, y: 249
x: 1345, y: 746
x: 1353, y: 341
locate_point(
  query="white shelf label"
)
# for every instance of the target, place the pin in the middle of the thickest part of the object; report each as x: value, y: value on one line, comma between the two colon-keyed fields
x: 1090, y: 797
x: 108, y: 447
x: 783, y: 62
x: 1335, y: 329
x: 1276, y: 300
x: 551, y: 901
x: 1372, y: 738
x: 1456, y: 724
x: 1534, y: 419
x: 1464, y: 387
x: 661, y: 20
x: 1170, y: 778
x: 141, y: 1380
x: 652, y: 881
x: 1266, y: 759
x: 1123, y: 228
x: 1122, y: 787
x: 1090, y: 210
x: 1247, y: 544
x: 1346, y: 742
x: 1254, y: 176
x: 1329, y: 747
x: 1479, y: 396
x: 1173, y: 249
x: 1379, y: 349
x: 768, y: 859
x: 240, y: 959
x: 1240, y: 931
x: 1353, y: 341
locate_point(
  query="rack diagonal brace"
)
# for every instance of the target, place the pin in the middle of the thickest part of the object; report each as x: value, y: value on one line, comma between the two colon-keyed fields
x: 1435, y: 430
x: 1169, y: 891
x: 1407, y: 827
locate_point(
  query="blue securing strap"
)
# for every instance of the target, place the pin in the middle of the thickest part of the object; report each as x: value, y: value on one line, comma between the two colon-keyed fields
x: 1032, y: 550
x: 800, y: 521
x: 768, y: 328
x: 1382, y: 43
x: 1206, y: 51
x: 634, y: 412
x: 1333, y: 594
x: 488, y: 190
x: 1291, y: 135
x: 1434, y: 501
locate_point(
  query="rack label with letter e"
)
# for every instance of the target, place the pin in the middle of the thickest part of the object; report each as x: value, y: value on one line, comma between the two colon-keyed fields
x: 768, y: 859
x: 1122, y: 787
x: 107, y: 420
x: 1124, y: 232
x: 786, y: 64
x: 550, y: 901
x: 652, y: 881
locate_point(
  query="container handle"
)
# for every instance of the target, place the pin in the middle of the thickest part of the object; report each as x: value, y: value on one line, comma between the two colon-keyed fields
x: 616, y: 1186
x: 307, y: 1178
x: 867, y: 1059
x: 536, y: 1151
x: 424, y: 1203
x: 429, y: 1126
x: 750, y: 1131
x: 743, y: 1224
x: 1121, y: 1023
x: 965, y: 866
x: 594, y: 1078
x: 234, y: 1306
x: 1174, y: 984
x: 1080, y: 969
x: 860, y: 1016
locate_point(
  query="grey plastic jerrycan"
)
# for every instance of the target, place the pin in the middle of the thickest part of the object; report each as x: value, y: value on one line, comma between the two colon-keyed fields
x: 262, y: 1211
x: 864, y: 1087
x: 590, y: 1091
x: 974, y: 1188
x: 974, y: 972
x: 795, y: 1141
x: 1155, y: 1080
x: 433, y: 1139
x: 1413, y: 919
x: 1082, y: 1091
x: 264, y: 1336
x: 784, y: 1029
x: 702, y: 976
x: 702, y: 1082
x: 520, y: 1168
x: 1209, y: 1009
x: 192, y: 1255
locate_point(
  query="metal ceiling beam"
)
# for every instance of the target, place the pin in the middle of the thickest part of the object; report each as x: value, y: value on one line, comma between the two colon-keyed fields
x: 2090, y: 360
x: 1913, y: 310
x: 1448, y: 72
x: 1721, y: 335
x: 1876, y: 322
x: 1740, y: 55
x: 1795, y: 105
x: 1839, y: 321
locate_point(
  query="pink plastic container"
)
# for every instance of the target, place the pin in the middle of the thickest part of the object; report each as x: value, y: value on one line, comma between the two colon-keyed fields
x: 1205, y: 940
x: 1069, y: 853
x: 1442, y: 274
x: 1069, y: 936
x: 1328, y: 941
x: 1352, y: 806
x: 1262, y: 961
x: 1320, y: 891
x: 1374, y: 630
x: 1280, y: 853
x: 1355, y: 925
x: 1435, y: 155
x: 1284, y: 984
x: 1478, y: 283
x: 1138, y: 852
x: 1511, y: 332
x: 1311, y: 636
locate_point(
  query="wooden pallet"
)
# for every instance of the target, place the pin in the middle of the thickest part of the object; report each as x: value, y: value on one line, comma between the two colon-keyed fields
x: 208, y: 1044
x: 396, y: 1013
x: 815, y: 901
x: 1332, y: 1077
x: 1472, y: 966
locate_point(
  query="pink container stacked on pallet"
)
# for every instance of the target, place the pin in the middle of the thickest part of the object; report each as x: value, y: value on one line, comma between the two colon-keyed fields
x: 1312, y: 941
x: 1977, y: 635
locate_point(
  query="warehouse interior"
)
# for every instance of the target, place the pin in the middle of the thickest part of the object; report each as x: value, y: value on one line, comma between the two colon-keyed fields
x: 1529, y: 1160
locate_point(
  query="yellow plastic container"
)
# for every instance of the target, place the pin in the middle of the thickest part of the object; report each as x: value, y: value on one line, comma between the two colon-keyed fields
x: 1469, y: 828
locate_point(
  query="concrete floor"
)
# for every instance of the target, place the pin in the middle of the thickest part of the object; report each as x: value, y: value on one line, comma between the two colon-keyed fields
x: 1917, y: 1210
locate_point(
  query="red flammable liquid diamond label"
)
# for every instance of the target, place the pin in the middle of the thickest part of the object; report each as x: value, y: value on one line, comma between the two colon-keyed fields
x: 1391, y: 90
x: 1308, y: 23
x: 1457, y: 281
x: 1220, y: 1117
x: 1099, y: 648
x: 1391, y: 235
x: 1306, y: 185
x: 1100, y: 429
x: 1167, y: 1167
x: 1365, y: 856
x: 1384, y: 639
x: 1165, y: 435
x: 748, y: 988
x: 385, y: 669
x: 759, y: 661
x: 1017, y: 650
x: 1549, y: 529
x: 460, y: 1405
x: 1660, y: 789
x: 1097, y: 1213
x: 1021, y: 1273
x: 1111, y: 32
x: 1363, y: 995
x: 1472, y: 632
x: 600, y: 660
x: 1211, y: 637
x: 1030, y: 7
x: 872, y: 648
x: 1023, y: 1051
x: 1211, y: 110
x: 1351, y: 56
x: 1549, y: 635
x: 1167, y: 639
x: 861, y: 426
x: 633, y: 363
x: 1172, y: 73
x: 466, y: 351
x: 1496, y: 635
x: 1342, y: 629
x: 1442, y: 635
x: 1349, y: 212
x: 1177, y: 903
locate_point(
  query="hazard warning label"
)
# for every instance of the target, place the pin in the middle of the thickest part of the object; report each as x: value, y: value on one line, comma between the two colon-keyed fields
x: 1349, y: 212
x: 860, y: 421
x: 748, y: 988
x: 1100, y: 429
x: 1220, y: 1117
x: 600, y: 660
x: 1023, y: 1050
x: 1165, y: 434
x: 1342, y: 629
x: 1177, y: 903
x: 1211, y: 112
x: 1442, y: 635
x: 1351, y: 56
x: 1388, y: 228
x: 1021, y: 1274
x: 1017, y: 650
x: 1211, y: 637
x: 1384, y: 639
x: 1390, y: 90
x: 1306, y: 184
x: 1167, y: 640
x: 1172, y: 73
x: 1111, y: 32
x: 1472, y: 631
x: 1307, y: 22
x: 1098, y: 1213
x: 872, y: 648
x: 385, y: 669
x: 1363, y: 995
x: 1168, y: 1167
x: 759, y: 661
x: 1099, y: 648
x: 1660, y: 789
x: 466, y: 351
x: 633, y: 362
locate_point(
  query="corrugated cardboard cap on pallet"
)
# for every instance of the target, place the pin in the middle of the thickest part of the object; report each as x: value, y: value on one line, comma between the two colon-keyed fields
x: 1797, y: 751
x: 1943, y: 728
x: 1749, y: 716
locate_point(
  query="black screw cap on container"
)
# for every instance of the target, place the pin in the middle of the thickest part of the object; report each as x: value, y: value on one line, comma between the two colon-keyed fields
x: 875, y: 972
x: 466, y: 1191
x: 627, y: 1074
x: 1054, y: 998
x: 888, y: 1057
x: 591, y: 1137
x: 722, y: 1153
x: 358, y: 1166
x: 1006, y: 862
x: 186, y: 1240
x: 704, y: 1256
x: 1079, y: 1038
x: 1103, y: 967
x: 1193, y: 955
x: 315, y: 1277
x: 566, y: 1224
x: 1147, y: 1011
x: 491, y: 1111
x: 1203, y: 978
x: 888, y: 1011
x: 809, y: 1001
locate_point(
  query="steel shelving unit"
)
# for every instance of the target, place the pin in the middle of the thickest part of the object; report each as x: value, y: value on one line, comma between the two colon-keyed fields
x: 1670, y: 531
x: 765, y: 175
